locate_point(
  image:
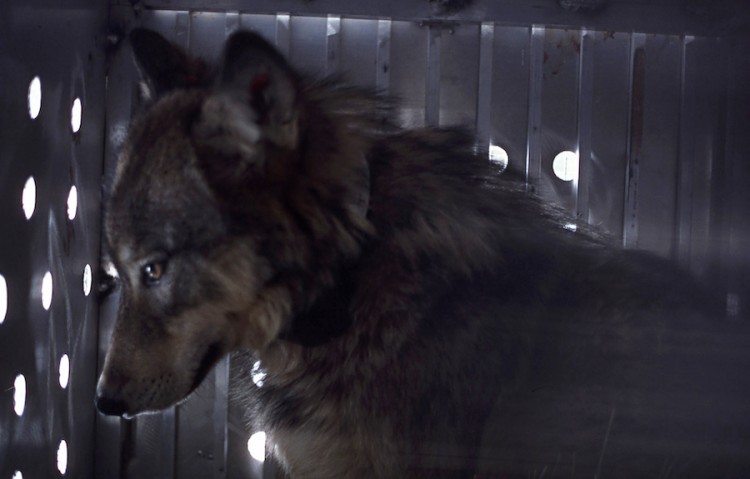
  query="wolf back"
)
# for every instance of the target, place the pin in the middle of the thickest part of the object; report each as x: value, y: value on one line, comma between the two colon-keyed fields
x: 417, y: 313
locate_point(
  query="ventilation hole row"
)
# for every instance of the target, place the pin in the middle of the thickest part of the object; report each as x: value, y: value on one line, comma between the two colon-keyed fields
x: 564, y: 165
x: 28, y: 203
x: 46, y: 290
x: 35, y: 105
x: 28, y: 200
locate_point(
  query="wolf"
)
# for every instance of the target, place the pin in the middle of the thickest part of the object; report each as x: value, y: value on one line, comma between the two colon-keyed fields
x: 416, y: 313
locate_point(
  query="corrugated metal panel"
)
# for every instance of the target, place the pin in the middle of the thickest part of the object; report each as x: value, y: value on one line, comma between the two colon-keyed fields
x: 658, y: 162
x: 609, y: 131
x: 47, y: 320
x: 408, y: 70
x: 718, y: 17
x: 459, y: 75
x: 512, y: 107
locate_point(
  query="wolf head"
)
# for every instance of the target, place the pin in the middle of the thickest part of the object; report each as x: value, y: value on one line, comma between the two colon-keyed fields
x: 237, y: 197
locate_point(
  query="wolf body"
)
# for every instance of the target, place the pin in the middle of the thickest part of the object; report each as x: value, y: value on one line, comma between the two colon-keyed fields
x: 416, y: 313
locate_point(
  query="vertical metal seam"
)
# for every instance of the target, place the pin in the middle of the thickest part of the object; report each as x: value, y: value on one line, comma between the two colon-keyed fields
x: 682, y: 233
x: 483, y: 119
x: 432, y: 86
x: 630, y: 220
x: 182, y: 26
x: 233, y: 22
x: 534, y: 131
x: 283, y: 25
x: 221, y: 419
x: 730, y: 182
x: 383, y: 56
x: 333, y: 44
x: 585, y: 112
x: 169, y: 421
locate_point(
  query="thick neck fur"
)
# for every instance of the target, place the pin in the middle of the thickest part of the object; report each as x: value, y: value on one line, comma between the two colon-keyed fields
x: 436, y: 215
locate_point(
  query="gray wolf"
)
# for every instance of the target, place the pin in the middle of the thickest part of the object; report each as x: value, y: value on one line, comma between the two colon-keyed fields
x: 417, y: 314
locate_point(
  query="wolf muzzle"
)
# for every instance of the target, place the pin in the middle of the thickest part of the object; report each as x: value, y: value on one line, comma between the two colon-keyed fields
x: 108, y: 398
x: 110, y: 406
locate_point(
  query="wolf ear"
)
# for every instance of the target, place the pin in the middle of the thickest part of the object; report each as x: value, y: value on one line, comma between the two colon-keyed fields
x: 256, y: 95
x: 163, y: 65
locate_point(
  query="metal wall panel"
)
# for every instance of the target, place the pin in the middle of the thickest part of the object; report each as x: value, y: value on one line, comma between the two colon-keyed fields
x: 559, y: 118
x: 509, y: 116
x: 210, y: 28
x: 408, y: 66
x: 358, y: 59
x: 308, y: 46
x: 658, y: 164
x: 609, y: 140
x: 714, y: 18
x: 734, y: 237
x: 48, y: 336
x: 459, y: 75
x: 265, y: 25
x: 700, y: 151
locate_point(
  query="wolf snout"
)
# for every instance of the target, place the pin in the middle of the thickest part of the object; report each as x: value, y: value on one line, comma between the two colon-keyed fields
x: 110, y: 406
x: 109, y: 399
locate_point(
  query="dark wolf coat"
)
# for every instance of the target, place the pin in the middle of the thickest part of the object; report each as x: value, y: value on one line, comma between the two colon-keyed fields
x: 417, y: 314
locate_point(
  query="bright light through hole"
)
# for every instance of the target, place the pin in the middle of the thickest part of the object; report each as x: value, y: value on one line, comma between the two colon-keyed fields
x: 62, y: 457
x: 72, y: 203
x: 64, y: 371
x: 499, y: 156
x: 256, y: 445
x: 28, y: 197
x: 47, y: 290
x: 3, y: 298
x: 17, y: 475
x: 87, y: 280
x: 35, y: 97
x: 75, y: 115
x: 19, y: 394
x: 565, y: 166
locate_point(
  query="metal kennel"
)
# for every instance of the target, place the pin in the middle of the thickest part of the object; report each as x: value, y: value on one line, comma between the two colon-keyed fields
x: 651, y: 100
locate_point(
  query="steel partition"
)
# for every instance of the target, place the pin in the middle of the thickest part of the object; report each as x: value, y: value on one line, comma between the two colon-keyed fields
x: 52, y: 92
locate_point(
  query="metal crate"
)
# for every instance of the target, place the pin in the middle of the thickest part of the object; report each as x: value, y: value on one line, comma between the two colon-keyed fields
x: 652, y: 98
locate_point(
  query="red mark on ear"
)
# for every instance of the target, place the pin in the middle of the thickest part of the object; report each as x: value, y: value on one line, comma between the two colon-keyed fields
x: 259, y: 83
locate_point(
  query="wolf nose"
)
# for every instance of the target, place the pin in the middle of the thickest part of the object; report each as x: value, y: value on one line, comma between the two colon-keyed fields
x: 111, y: 407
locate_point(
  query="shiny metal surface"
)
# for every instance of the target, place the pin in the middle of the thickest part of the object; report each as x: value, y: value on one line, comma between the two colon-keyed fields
x: 63, y: 44
x: 718, y: 17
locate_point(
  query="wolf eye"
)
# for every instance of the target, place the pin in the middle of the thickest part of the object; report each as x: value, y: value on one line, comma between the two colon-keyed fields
x: 153, y: 272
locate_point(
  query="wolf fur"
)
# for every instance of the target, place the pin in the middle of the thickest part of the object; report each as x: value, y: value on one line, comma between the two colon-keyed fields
x: 417, y: 313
